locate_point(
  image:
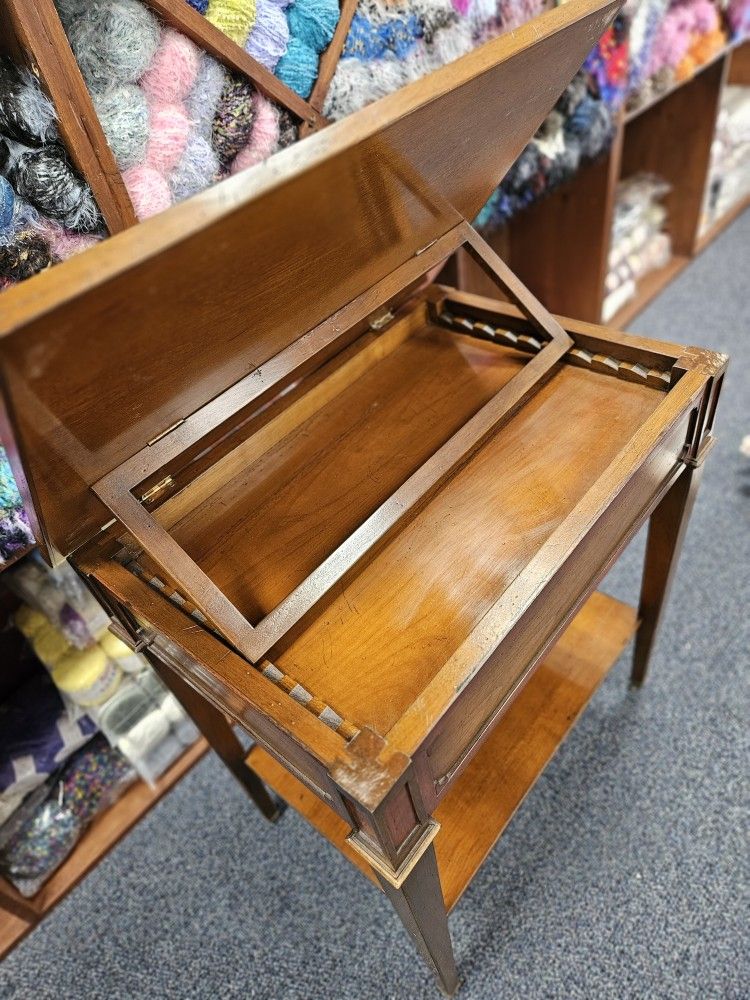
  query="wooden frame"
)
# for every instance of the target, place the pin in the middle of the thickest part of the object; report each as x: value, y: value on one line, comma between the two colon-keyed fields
x: 256, y: 641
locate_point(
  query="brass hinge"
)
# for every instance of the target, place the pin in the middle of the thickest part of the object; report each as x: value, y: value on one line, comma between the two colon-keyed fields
x: 381, y: 321
x: 155, y: 490
x: 169, y: 430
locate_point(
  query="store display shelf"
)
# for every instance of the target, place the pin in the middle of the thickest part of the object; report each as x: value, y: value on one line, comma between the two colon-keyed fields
x: 719, y: 225
x: 16, y: 557
x: 19, y: 916
x: 649, y: 286
x: 483, y: 799
x: 628, y: 116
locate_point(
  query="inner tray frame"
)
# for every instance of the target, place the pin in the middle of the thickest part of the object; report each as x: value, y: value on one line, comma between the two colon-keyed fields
x: 119, y: 489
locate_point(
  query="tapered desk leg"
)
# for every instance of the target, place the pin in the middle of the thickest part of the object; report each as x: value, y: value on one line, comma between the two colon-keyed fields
x: 419, y: 904
x: 219, y: 735
x: 666, y: 531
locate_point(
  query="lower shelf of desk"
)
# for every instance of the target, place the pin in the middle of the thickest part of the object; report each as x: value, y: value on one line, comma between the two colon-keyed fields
x: 486, y: 794
x: 101, y: 837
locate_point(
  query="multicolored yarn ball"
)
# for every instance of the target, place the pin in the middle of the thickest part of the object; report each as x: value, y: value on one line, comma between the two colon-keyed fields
x: 234, y: 17
x: 233, y: 122
x: 26, y: 113
x: 265, y: 137
x: 15, y: 530
x: 197, y: 170
x: 172, y: 74
x: 288, y: 129
x: 313, y: 22
x: 270, y: 35
x: 45, y: 178
x: 168, y: 135
x: 148, y: 190
x: 204, y: 98
x: 24, y: 255
x: 298, y: 67
x: 92, y: 777
x: 114, y: 41
x: 124, y: 116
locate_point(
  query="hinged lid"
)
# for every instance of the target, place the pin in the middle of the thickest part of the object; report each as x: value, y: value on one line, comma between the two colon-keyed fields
x: 113, y: 349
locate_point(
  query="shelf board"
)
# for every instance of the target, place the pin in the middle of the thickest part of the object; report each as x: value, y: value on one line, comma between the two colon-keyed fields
x: 719, y: 225
x: 647, y: 289
x: 16, y: 557
x: 100, y: 838
x: 484, y: 797
x: 628, y: 116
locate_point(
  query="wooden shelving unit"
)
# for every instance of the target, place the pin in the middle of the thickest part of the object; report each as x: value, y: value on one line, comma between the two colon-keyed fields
x: 19, y: 916
x: 559, y: 246
x: 480, y: 805
x: 34, y: 35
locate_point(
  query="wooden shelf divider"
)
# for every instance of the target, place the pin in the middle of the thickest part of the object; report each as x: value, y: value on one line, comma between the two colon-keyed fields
x: 492, y: 786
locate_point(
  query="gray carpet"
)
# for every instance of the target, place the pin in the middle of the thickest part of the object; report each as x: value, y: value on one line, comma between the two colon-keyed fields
x: 624, y: 874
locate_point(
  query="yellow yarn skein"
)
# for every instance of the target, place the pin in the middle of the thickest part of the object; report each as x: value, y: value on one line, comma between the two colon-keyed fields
x: 50, y: 645
x: 234, y: 17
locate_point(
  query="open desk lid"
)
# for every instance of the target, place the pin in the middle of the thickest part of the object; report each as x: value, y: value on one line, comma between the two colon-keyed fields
x: 103, y: 354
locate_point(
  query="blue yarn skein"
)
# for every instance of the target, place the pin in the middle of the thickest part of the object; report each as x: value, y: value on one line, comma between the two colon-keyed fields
x: 200, y: 5
x: 313, y: 22
x: 298, y: 67
x: 7, y: 204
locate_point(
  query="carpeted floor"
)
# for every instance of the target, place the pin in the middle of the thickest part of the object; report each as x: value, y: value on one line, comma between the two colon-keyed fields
x: 624, y: 875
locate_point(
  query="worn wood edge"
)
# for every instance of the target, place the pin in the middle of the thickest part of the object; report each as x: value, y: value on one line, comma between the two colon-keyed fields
x: 101, y: 836
x: 30, y: 300
x: 245, y: 683
x: 443, y: 689
x: 336, y: 831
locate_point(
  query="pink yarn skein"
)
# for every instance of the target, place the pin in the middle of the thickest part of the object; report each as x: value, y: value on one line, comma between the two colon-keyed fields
x: 173, y: 70
x: 264, y: 138
x: 168, y: 134
x: 148, y: 191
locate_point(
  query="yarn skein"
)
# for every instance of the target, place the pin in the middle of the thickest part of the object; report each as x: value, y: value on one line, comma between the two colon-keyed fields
x: 298, y: 67
x: 124, y: 116
x: 173, y: 71
x: 7, y: 205
x: 265, y: 137
x: 270, y: 36
x: 313, y: 22
x: 46, y: 179
x: 233, y: 123
x: 148, y: 190
x: 24, y: 255
x: 234, y: 17
x: 168, y: 136
x: 197, y: 170
x: 204, y: 98
x: 26, y: 113
x: 114, y: 42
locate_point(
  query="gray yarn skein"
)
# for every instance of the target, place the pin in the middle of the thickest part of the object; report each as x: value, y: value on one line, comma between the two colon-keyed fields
x: 26, y: 113
x: 114, y: 42
x: 124, y: 117
x: 45, y: 178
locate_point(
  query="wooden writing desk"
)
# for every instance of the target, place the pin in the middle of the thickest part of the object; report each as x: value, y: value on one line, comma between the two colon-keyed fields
x: 360, y: 514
